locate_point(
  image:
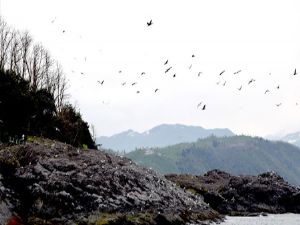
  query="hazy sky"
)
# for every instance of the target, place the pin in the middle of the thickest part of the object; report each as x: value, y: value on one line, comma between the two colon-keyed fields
x: 259, y: 37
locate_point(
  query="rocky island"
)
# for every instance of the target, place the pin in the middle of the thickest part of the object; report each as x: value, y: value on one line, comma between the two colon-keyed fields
x: 242, y: 195
x: 48, y: 182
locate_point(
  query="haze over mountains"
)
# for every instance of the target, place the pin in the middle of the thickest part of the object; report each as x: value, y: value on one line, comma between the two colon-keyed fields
x: 239, y: 155
x: 293, y: 138
x: 159, y: 136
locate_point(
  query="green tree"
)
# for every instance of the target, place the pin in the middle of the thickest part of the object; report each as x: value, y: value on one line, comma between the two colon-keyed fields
x: 73, y: 129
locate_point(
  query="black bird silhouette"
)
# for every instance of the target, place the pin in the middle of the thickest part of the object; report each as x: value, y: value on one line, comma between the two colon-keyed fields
x: 100, y: 82
x: 174, y: 75
x: 63, y: 31
x: 250, y: 81
x: 123, y: 83
x: 156, y: 90
x: 134, y: 83
x: 167, y: 70
x: 279, y: 104
x: 240, y: 88
x: 222, y: 72
x: 277, y: 87
x: 138, y: 92
x: 199, y: 104
x: 193, y: 56
x: 199, y: 74
x: 190, y: 67
x: 237, y: 72
x: 224, y: 83
x: 82, y: 73
x: 120, y: 71
x: 149, y: 23
x: 166, y: 62
x: 267, y: 91
x: 143, y: 73
x: 295, y: 72
x: 204, y: 107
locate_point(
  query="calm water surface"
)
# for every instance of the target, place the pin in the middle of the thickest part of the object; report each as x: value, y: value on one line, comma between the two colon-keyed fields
x: 283, y: 219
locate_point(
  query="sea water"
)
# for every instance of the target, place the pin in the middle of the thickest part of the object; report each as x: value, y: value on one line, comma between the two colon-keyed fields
x: 278, y: 219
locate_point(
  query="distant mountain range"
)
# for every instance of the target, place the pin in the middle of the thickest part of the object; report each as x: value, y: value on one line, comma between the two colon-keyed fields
x: 239, y: 155
x: 159, y: 136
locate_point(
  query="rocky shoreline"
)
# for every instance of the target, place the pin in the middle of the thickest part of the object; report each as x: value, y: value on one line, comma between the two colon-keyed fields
x: 48, y: 182
x: 242, y: 195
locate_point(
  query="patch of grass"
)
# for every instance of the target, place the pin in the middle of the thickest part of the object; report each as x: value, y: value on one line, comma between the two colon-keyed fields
x: 85, y: 147
x: 119, y: 218
x: 192, y: 190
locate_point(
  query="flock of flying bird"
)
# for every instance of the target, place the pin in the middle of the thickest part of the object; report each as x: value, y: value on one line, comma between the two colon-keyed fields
x: 168, y: 69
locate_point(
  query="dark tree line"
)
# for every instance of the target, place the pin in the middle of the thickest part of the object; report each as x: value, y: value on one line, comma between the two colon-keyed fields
x: 33, y: 92
x: 32, y: 62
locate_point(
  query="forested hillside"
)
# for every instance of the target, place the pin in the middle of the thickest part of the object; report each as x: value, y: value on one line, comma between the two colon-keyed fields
x: 33, y: 93
x: 237, y: 155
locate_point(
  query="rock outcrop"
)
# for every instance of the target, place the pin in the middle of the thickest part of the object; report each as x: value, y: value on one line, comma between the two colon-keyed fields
x: 242, y: 195
x: 49, y: 182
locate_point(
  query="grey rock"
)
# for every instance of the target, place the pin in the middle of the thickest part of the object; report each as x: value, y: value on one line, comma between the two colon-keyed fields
x: 56, y: 182
x: 243, y: 195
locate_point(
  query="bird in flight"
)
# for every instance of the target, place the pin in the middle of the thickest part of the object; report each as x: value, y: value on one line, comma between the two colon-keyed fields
x: 134, y: 83
x: 120, y: 71
x: 240, y: 88
x: 64, y: 31
x: 250, y: 81
x: 193, y: 56
x: 123, y: 83
x: 295, y: 72
x: 174, y: 75
x: 190, y: 67
x: 277, y: 87
x: 267, y: 91
x: 138, y: 92
x: 166, y: 62
x: 149, y: 23
x: 222, y: 72
x: 204, y: 107
x: 199, y: 104
x: 53, y: 20
x: 167, y: 70
x: 82, y: 73
x: 100, y: 82
x: 278, y: 104
x: 143, y: 73
x: 199, y: 74
x: 224, y: 83
x: 237, y: 72
x: 156, y: 90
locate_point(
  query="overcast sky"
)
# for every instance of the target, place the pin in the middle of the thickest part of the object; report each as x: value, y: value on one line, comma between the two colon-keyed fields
x: 259, y: 37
